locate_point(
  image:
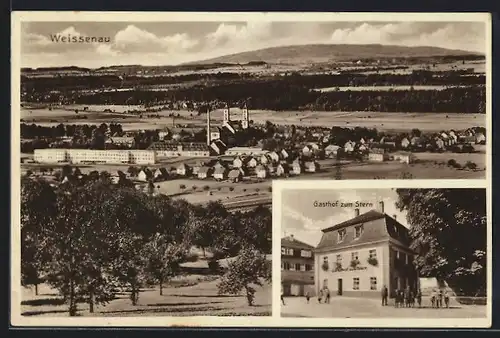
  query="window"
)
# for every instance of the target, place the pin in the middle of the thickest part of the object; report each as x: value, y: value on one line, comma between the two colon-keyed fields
x: 305, y: 253
x: 339, y: 259
x: 358, y: 231
x: 307, y: 267
x: 373, y: 283
x: 297, y: 266
x: 302, y: 267
x: 341, y: 235
x: 372, y: 253
x: 355, y: 256
x: 355, y: 283
x: 286, y: 266
x: 292, y: 267
x: 286, y: 251
x: 397, y: 254
x: 407, y: 258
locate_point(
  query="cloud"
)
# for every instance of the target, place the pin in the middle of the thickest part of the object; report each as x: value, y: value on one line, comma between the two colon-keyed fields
x: 451, y: 35
x: 232, y: 34
x: 136, y: 40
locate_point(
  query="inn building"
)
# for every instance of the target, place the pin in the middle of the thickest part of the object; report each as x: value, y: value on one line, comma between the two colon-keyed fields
x: 359, y: 256
x: 297, y: 267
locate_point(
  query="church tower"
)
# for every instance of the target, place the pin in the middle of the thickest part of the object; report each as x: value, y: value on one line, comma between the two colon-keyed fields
x: 244, y: 120
x: 227, y: 117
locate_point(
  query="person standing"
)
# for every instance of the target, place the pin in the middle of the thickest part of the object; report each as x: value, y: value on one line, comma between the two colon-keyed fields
x: 446, y: 299
x: 320, y: 295
x: 419, y: 298
x: 440, y: 298
x: 384, y: 295
x: 282, y: 298
x: 433, y: 298
x: 307, y: 297
x: 327, y: 296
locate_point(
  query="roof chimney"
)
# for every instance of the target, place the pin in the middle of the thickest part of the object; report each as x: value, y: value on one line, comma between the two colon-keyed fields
x: 381, y: 206
x: 395, y: 216
x: 356, y: 212
x: 291, y: 237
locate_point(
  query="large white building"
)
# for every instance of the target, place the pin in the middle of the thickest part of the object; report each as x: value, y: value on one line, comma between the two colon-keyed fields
x: 94, y: 156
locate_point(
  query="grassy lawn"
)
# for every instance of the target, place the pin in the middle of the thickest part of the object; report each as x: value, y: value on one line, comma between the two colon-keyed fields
x: 192, y: 295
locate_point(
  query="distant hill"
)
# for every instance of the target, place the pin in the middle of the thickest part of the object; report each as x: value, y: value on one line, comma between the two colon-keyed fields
x: 325, y: 52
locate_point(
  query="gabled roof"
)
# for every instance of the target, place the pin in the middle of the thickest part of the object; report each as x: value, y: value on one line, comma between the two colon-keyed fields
x: 293, y: 243
x: 204, y: 170
x: 183, y: 166
x: 220, y: 170
x: 163, y: 171
x: 376, y: 226
x: 234, y: 173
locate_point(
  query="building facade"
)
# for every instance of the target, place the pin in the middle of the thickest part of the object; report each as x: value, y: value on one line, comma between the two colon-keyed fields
x: 361, y: 255
x: 297, y: 267
x: 94, y: 156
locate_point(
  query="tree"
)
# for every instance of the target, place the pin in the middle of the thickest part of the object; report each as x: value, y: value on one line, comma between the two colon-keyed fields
x: 249, y: 269
x: 37, y: 212
x: 162, y: 258
x: 448, y: 232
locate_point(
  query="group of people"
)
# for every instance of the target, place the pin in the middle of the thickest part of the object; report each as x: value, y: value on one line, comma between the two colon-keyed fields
x: 408, y: 297
x: 323, y: 296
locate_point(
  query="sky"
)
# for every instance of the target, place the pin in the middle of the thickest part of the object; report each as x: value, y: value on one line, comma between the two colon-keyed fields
x: 304, y: 221
x: 170, y: 43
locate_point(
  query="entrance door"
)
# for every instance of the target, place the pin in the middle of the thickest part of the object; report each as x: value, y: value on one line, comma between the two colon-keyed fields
x: 287, y: 289
x: 339, y: 286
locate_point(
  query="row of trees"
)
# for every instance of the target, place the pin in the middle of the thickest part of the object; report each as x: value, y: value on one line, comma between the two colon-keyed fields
x: 37, y: 86
x: 284, y: 96
x: 91, y: 239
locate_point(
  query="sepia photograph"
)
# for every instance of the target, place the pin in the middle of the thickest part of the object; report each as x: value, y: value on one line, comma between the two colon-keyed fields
x: 383, y: 253
x: 146, y: 147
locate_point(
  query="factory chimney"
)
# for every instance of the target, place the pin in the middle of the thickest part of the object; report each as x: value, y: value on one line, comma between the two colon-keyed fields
x: 208, y: 127
x: 381, y: 207
x: 356, y: 212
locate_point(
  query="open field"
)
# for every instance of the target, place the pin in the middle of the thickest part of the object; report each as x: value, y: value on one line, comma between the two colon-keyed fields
x: 351, y: 307
x: 428, y: 122
x: 199, y: 298
x: 383, y: 88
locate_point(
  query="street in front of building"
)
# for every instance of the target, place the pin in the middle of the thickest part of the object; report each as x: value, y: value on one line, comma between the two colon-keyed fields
x: 354, y: 307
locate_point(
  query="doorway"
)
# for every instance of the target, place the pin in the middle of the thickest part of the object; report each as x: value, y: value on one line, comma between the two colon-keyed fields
x: 339, y: 286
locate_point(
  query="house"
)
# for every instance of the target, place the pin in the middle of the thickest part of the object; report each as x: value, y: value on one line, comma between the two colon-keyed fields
x: 331, y: 150
x: 403, y: 157
x: 183, y: 170
x: 161, y: 174
x: 349, y: 147
x: 360, y: 255
x: 416, y: 141
x: 264, y: 159
x: 121, y: 141
x: 250, y: 162
x: 405, y: 143
x: 307, y: 151
x: 480, y: 138
x: 378, y: 155
x: 297, y: 167
x: 218, y: 164
x: 235, y: 175
x: 311, y: 166
x: 284, y: 154
x: 204, y: 172
x: 297, y: 267
x: 440, y: 143
x: 144, y: 175
x: 261, y: 171
x: 238, y: 162
x: 217, y: 147
x: 220, y: 173
x: 282, y: 169
x: 274, y: 156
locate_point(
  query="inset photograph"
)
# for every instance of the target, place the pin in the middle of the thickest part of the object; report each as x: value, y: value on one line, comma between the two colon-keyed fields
x: 384, y: 253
